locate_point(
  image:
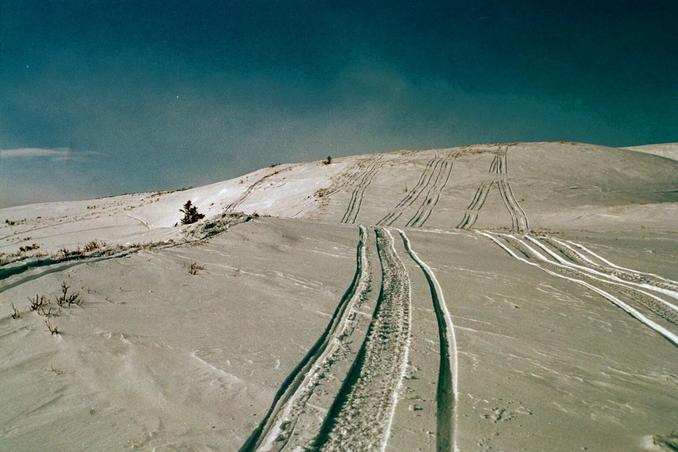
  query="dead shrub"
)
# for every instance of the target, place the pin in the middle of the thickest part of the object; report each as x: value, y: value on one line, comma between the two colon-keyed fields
x: 38, y: 302
x: 31, y: 247
x: 66, y: 299
x: 53, y: 329
x: 93, y: 245
x: 195, y: 268
x: 16, y: 314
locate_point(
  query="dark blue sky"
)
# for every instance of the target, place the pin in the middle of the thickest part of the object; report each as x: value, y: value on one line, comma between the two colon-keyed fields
x: 116, y: 96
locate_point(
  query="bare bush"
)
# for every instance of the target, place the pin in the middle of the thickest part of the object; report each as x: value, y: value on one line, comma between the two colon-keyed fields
x: 195, y: 268
x: 38, y: 302
x: 16, y: 314
x: 31, y: 247
x: 66, y: 299
x: 93, y: 245
x: 53, y: 329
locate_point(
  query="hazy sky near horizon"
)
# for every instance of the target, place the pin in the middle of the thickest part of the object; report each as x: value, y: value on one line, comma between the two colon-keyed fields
x: 102, y: 97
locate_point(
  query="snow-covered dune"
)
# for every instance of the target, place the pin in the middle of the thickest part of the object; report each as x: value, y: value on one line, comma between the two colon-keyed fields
x: 511, y: 296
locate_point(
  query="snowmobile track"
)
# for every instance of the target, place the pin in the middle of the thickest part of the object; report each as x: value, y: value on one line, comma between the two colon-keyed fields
x: 508, y: 244
x: 362, y: 414
x: 446, y: 390
x: 427, y: 174
x: 299, y: 381
x: 363, y: 181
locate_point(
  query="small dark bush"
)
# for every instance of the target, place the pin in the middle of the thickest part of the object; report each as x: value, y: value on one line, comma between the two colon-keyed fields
x: 31, y: 247
x: 68, y: 299
x: 93, y: 245
x: 16, y: 314
x: 191, y: 214
x: 38, y: 302
x: 53, y: 329
x: 195, y: 268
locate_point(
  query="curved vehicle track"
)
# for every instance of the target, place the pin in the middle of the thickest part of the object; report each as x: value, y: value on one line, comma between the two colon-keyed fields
x: 446, y: 390
x: 432, y: 197
x: 362, y: 415
x: 599, y: 263
x: 431, y: 168
x: 363, y: 181
x: 499, y: 176
x: 275, y: 429
x: 517, y: 247
x: 248, y: 192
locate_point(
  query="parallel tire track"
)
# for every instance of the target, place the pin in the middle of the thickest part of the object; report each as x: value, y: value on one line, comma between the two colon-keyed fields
x: 499, y: 176
x: 508, y: 245
x: 479, y: 197
x: 412, y: 195
x: 432, y: 197
x: 519, y: 222
x: 661, y: 284
x: 355, y: 203
x: 299, y: 381
x: 446, y: 392
x: 652, y: 302
x: 362, y: 415
x: 246, y: 194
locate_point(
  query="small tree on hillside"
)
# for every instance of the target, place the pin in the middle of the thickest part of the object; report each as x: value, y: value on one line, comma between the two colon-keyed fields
x: 191, y: 214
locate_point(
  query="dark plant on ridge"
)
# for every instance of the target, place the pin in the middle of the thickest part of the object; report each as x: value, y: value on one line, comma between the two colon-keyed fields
x: 191, y: 214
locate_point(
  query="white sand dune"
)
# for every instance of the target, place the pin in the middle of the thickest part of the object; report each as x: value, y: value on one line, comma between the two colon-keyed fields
x: 668, y: 150
x: 518, y: 296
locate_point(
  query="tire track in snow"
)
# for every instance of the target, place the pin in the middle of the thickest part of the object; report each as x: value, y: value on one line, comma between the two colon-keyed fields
x: 432, y: 196
x: 295, y: 388
x: 649, y: 301
x: 362, y: 415
x: 248, y: 192
x: 499, y: 176
x: 411, y: 196
x: 446, y: 392
x: 479, y: 197
x: 519, y: 222
x: 633, y: 289
x: 604, y: 265
x: 355, y: 203
x: 507, y: 246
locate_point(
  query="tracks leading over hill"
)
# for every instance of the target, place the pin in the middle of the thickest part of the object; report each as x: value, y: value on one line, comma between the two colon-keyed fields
x: 497, y: 176
x: 361, y: 182
x: 257, y: 183
x: 340, y: 397
x: 431, y: 183
x: 649, y: 302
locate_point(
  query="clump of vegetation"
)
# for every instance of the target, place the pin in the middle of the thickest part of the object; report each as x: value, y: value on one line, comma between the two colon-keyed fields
x: 321, y: 192
x: 31, y: 247
x: 328, y: 160
x: 40, y: 301
x: 191, y: 214
x: 53, y: 329
x: 66, y: 299
x: 195, y: 268
x: 93, y: 245
x: 16, y: 314
x: 66, y: 253
x: 10, y: 222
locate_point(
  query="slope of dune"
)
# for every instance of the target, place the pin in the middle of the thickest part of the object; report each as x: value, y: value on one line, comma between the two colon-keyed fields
x: 518, y: 296
x: 668, y: 150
